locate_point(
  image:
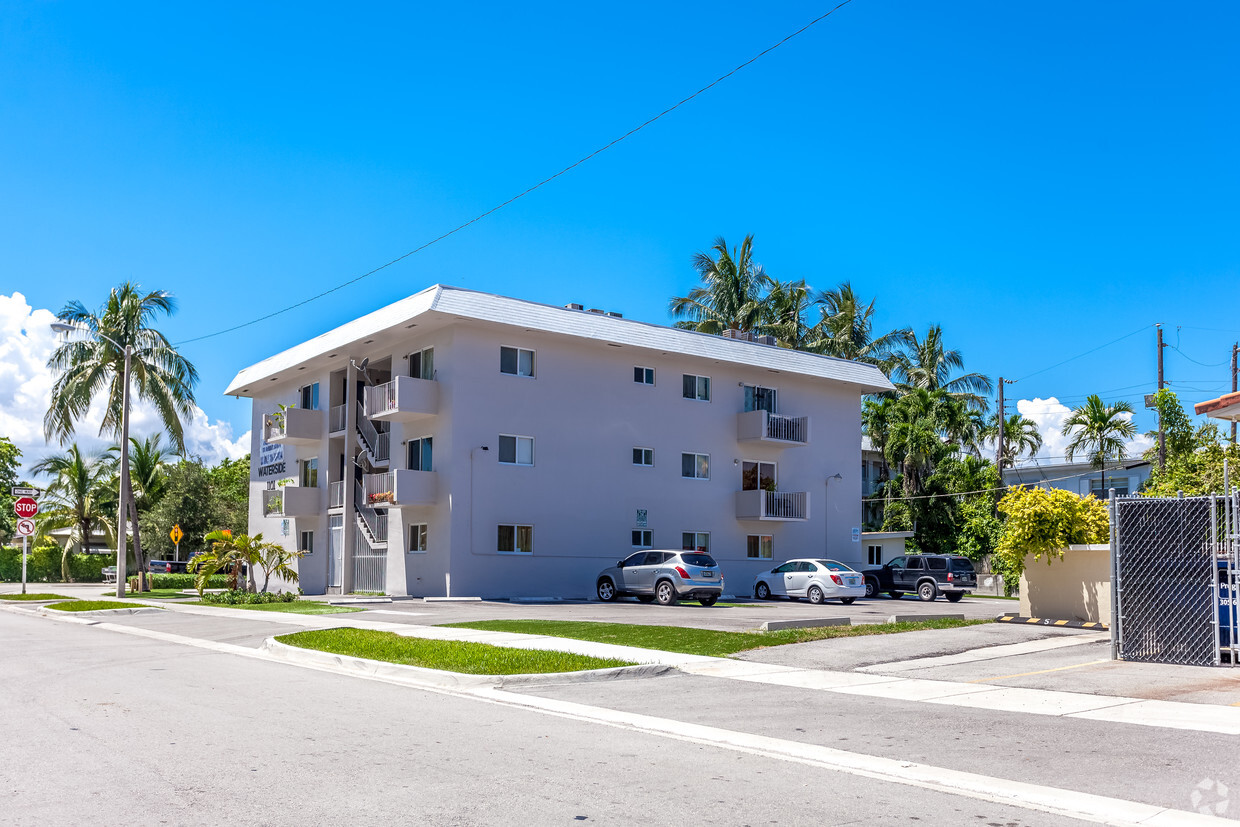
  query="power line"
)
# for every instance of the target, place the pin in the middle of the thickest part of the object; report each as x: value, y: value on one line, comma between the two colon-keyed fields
x: 1086, y: 353
x: 526, y: 192
x: 1195, y: 362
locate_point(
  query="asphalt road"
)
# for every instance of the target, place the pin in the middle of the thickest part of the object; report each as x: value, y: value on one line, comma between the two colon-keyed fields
x: 105, y: 727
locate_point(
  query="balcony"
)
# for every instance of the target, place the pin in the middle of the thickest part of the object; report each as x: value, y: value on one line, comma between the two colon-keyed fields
x: 403, y: 399
x: 292, y: 501
x: 764, y: 426
x: 335, y: 419
x: 301, y: 426
x: 401, y: 488
x: 772, y: 505
x: 335, y: 494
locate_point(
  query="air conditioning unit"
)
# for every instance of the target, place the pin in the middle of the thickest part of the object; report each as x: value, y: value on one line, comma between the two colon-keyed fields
x: 595, y: 310
x: 614, y: 314
x: 574, y: 307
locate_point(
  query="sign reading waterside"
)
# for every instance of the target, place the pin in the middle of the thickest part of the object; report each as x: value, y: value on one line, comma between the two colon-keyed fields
x: 270, y: 460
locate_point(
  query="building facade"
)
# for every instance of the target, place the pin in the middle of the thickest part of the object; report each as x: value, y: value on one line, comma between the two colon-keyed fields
x: 465, y: 444
x: 1080, y: 477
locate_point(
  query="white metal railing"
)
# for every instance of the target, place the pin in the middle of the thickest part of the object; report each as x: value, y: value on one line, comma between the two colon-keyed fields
x: 336, y: 418
x: 784, y: 505
x: 335, y: 494
x: 369, y: 566
x: 273, y: 502
x: 381, y: 399
x: 374, y: 522
x: 378, y: 443
x: 272, y: 429
x: 379, y: 488
x: 787, y: 428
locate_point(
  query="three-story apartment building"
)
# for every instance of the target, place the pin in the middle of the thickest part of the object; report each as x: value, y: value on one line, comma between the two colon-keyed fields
x: 462, y: 443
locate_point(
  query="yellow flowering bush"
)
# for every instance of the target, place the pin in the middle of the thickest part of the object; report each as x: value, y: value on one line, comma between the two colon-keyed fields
x: 1043, y: 521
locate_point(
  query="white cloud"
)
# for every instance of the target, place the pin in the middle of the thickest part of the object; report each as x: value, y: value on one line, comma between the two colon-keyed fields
x: 1050, y: 414
x: 26, y: 343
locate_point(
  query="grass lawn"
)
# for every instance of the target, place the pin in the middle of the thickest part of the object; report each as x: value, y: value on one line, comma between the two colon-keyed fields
x: 297, y: 607
x: 698, y: 641
x: 35, y: 597
x: 94, y: 605
x: 155, y: 594
x: 446, y: 655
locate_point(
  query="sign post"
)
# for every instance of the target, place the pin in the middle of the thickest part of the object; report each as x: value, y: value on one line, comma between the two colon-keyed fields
x: 175, y: 535
x: 26, y: 507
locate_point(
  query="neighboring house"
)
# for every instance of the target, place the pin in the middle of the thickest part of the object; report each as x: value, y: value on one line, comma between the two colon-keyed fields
x: 68, y: 536
x: 881, y: 546
x: 461, y: 443
x: 872, y: 466
x: 1080, y: 477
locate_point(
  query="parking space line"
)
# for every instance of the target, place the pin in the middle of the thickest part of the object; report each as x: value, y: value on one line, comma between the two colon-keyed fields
x: 1042, y: 671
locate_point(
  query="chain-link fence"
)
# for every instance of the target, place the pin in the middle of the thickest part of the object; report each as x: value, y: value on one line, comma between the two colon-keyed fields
x: 1169, y: 557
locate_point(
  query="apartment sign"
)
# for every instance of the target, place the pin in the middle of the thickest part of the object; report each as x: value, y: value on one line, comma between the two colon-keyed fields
x: 270, y: 460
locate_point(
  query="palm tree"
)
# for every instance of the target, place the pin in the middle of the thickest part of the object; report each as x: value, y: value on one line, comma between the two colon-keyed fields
x: 1020, y: 435
x: 148, y: 470
x: 923, y: 427
x: 926, y: 364
x: 87, y: 368
x: 783, y: 313
x: 75, y: 497
x: 1099, y: 430
x: 730, y: 296
x: 846, y: 330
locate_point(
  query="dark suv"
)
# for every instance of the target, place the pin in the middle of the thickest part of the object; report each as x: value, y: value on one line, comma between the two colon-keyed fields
x: 929, y: 575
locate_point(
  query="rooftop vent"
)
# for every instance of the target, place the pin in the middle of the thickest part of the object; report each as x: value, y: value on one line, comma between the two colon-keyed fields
x: 574, y: 307
x: 595, y: 310
x: 614, y: 314
x: 767, y: 340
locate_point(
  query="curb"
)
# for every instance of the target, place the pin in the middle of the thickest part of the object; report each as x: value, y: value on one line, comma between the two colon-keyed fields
x: 352, y: 601
x: 46, y: 612
x: 919, y: 618
x: 420, y: 676
x: 1046, y: 621
x: 811, y: 623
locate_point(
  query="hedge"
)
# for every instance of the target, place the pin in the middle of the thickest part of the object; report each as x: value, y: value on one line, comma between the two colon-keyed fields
x: 185, y: 581
x: 43, y: 565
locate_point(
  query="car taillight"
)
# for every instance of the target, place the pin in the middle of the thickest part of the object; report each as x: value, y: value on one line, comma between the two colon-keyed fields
x: 682, y: 572
x: 949, y: 577
x: 838, y: 580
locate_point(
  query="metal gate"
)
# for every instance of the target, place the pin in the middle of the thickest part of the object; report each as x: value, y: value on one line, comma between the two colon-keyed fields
x: 1175, y: 562
x: 335, y: 549
x: 369, y: 565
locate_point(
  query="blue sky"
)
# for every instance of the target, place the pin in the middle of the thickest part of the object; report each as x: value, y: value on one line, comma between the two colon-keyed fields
x: 1039, y: 180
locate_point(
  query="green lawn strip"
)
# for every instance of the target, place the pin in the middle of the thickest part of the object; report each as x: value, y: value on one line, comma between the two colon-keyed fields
x: 35, y: 597
x: 698, y: 641
x: 155, y: 594
x: 446, y: 655
x: 95, y: 605
x: 297, y: 607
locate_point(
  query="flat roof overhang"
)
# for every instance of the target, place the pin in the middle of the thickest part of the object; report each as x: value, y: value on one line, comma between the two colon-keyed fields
x: 1225, y: 407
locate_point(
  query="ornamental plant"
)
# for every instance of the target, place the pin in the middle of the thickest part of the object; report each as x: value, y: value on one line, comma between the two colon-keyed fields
x: 1043, y: 522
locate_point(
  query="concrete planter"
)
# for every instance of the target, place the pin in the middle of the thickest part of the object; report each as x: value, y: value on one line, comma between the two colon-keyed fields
x: 1077, y: 587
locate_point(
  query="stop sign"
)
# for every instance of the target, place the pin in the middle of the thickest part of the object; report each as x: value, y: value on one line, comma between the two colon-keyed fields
x: 25, y: 507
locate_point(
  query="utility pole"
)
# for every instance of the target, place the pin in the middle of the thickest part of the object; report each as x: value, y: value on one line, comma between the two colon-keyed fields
x: 1234, y: 348
x: 999, y: 441
x: 1162, y: 435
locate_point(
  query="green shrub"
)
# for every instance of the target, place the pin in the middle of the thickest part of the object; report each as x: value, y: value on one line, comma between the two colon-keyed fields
x: 43, y: 565
x: 185, y: 581
x: 234, y: 597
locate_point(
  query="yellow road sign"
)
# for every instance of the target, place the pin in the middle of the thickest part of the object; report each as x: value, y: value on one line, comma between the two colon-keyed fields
x: 176, y: 534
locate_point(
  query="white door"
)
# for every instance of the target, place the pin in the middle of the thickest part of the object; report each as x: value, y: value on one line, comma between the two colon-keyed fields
x: 335, y: 550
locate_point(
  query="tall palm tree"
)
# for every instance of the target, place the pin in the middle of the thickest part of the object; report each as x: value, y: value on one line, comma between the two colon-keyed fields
x: 1020, y: 436
x: 923, y: 427
x: 148, y: 470
x: 75, y: 497
x: 1101, y: 431
x: 846, y: 330
x: 925, y: 363
x: 783, y: 313
x: 730, y: 296
x: 94, y: 366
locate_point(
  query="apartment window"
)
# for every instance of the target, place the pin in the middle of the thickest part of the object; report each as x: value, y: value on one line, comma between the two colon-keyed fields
x: 696, y: 387
x: 695, y: 541
x: 516, y: 450
x: 417, y: 538
x: 695, y: 466
x: 1120, y: 485
x: 516, y: 361
x: 642, y: 539
x: 759, y: 398
x: 643, y: 376
x: 874, y: 555
x: 310, y: 397
x: 422, y: 364
x: 759, y: 546
x: 515, y: 539
x: 310, y: 472
x: 307, y: 542
x: 643, y: 456
x: 757, y: 475
x: 418, y: 452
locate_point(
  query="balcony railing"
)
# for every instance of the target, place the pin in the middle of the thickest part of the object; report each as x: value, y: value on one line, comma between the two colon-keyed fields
x: 335, y: 494
x: 336, y: 419
x: 379, y: 490
x: 772, y: 505
x: 765, y: 426
x: 374, y: 522
x: 293, y: 425
x: 378, y: 443
x: 404, y: 398
x: 400, y: 488
x: 292, y: 501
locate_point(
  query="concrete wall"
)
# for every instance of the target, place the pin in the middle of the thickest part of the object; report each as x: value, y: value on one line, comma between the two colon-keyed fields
x: 1077, y: 587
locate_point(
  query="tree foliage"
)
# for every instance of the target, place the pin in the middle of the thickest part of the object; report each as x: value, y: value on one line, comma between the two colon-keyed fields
x: 10, y: 457
x: 1043, y: 522
x: 77, y: 497
x: 1195, y: 456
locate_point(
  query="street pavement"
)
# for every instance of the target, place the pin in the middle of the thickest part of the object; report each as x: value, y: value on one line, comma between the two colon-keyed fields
x: 768, y: 736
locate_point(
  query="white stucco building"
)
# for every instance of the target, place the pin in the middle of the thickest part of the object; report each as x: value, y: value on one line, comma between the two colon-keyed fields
x: 463, y: 443
x: 1080, y: 477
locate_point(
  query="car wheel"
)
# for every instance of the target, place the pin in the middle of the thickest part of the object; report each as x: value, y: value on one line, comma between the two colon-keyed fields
x: 953, y: 597
x: 895, y: 595
x: 606, y: 590
x: 815, y: 595
x: 847, y: 601
x: 709, y: 601
x: 871, y: 587
x: 762, y: 591
x: 927, y: 591
x: 645, y: 598
x: 665, y: 593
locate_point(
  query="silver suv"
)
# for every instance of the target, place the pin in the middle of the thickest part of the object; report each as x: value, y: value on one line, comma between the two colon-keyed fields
x: 665, y: 576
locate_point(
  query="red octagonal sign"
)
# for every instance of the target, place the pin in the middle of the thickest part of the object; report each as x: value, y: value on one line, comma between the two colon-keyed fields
x: 25, y: 507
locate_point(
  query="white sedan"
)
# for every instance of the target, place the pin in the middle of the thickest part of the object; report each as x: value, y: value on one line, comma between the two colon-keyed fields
x: 815, y: 580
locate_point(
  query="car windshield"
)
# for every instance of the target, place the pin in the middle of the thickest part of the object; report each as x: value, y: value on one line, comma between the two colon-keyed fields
x: 698, y: 559
x: 833, y: 565
x: 960, y: 564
